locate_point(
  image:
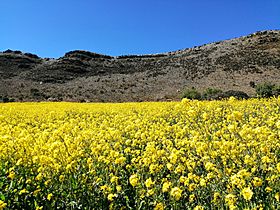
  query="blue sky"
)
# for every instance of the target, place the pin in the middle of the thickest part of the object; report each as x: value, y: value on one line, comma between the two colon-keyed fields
x: 50, y: 28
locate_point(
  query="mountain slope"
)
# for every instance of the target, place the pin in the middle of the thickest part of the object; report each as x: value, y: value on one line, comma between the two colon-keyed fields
x: 81, y: 75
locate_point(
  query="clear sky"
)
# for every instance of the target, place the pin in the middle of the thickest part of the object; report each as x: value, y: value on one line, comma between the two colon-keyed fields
x: 49, y: 28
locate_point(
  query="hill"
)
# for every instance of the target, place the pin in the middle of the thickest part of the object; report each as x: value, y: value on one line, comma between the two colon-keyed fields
x: 82, y: 75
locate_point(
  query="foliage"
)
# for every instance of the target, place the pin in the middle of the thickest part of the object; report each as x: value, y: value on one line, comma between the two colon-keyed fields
x: 210, y: 93
x: 233, y: 93
x: 177, y: 155
x: 37, y: 94
x: 6, y: 99
x: 213, y: 94
x: 191, y: 93
x: 266, y: 90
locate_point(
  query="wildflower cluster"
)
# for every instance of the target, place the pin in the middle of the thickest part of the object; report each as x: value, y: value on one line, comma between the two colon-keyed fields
x: 176, y: 155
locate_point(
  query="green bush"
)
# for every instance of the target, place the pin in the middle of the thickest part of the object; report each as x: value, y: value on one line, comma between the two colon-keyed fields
x: 235, y: 93
x: 211, y: 93
x: 267, y: 90
x: 214, y: 94
x: 276, y: 90
x: 5, y: 99
x: 191, y: 93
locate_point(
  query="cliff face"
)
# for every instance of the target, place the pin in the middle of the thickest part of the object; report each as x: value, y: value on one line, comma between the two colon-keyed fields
x: 82, y: 75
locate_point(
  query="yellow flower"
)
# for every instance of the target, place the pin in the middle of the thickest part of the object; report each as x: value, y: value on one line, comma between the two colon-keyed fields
x: 35, y: 193
x: 185, y: 101
x: 166, y: 186
x: 277, y: 196
x: 150, y: 192
x: 230, y: 199
x: 257, y: 182
x: 182, y: 179
x: 169, y: 166
x: 114, y: 179
x: 149, y: 183
x: 232, y: 207
x: 248, y: 160
x: 133, y: 180
x: 216, y: 198
x: 12, y: 175
x: 23, y: 191
x: 247, y: 193
x: 111, y: 196
x: 231, y: 99
x: 268, y: 189
x: 191, y: 198
x: 2, y: 205
x: 159, y: 206
x: 49, y: 197
x: 179, y: 169
x: 47, y: 182
x: 120, y: 160
x: 39, y: 177
x: 176, y: 192
x: 28, y: 181
x: 237, y: 180
x: 192, y: 187
x: 119, y: 188
x: 209, y: 166
x: 278, y: 165
x: 154, y: 168
x: 266, y: 159
x: 205, y: 116
x: 198, y: 208
x: 61, y: 178
x: 19, y: 162
x: 202, y: 182
x: 237, y: 115
x: 105, y: 188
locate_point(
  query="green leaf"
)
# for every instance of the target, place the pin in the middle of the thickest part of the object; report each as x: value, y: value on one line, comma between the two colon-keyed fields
x: 36, y: 204
x: 2, y: 197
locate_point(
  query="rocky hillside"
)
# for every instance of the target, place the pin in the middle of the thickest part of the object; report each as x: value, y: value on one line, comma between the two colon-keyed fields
x: 81, y: 75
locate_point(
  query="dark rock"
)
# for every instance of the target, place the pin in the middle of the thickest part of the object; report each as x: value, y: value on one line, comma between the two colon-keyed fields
x: 85, y: 55
x: 8, y: 51
x: 30, y: 55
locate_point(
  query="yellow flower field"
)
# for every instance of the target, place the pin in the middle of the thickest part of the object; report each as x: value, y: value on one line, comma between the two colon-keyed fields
x: 168, y: 155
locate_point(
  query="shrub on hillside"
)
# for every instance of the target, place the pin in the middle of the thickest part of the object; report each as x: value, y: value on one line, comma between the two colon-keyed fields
x: 276, y: 90
x: 5, y: 99
x: 267, y: 90
x: 191, y: 93
x: 235, y: 93
x: 211, y: 93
